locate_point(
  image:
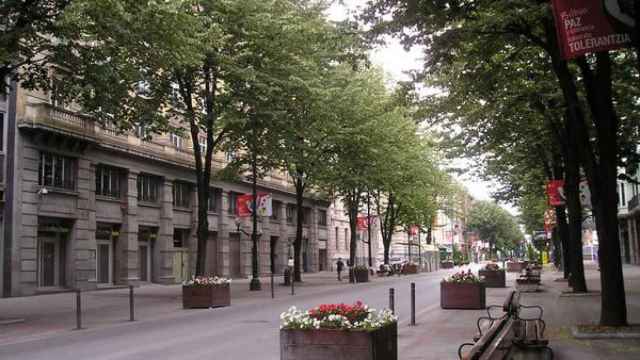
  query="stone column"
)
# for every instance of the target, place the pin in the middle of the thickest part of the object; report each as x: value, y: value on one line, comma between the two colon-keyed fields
x: 127, y: 244
x: 223, y: 235
x: 163, y: 249
x: 81, y: 265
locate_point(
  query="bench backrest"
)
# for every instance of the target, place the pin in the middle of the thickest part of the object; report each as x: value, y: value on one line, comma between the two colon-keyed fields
x: 481, y: 346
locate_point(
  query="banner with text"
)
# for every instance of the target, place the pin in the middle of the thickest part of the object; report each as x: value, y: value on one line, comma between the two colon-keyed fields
x: 584, y: 27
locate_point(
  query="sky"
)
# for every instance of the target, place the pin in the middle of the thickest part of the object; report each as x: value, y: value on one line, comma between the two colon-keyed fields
x: 395, y: 61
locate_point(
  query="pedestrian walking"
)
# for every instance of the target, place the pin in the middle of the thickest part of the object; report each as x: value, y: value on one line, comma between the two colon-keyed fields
x: 340, y: 266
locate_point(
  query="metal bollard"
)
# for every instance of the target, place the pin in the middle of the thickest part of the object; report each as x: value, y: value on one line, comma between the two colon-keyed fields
x: 413, y: 304
x: 293, y: 280
x: 78, y: 310
x: 131, y: 304
x: 272, y: 291
x: 392, y: 305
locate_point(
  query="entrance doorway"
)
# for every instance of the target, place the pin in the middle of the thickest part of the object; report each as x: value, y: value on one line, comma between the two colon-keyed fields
x: 322, y: 259
x: 181, y: 268
x: 106, y: 236
x: 305, y: 255
x: 235, y: 270
x: 273, y: 255
x: 146, y: 243
x: 51, y: 253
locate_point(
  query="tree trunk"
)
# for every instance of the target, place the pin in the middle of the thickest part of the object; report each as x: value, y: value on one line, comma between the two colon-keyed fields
x: 563, y: 233
x: 604, y: 187
x: 202, y: 231
x: 254, y: 285
x: 297, y: 245
x: 572, y: 193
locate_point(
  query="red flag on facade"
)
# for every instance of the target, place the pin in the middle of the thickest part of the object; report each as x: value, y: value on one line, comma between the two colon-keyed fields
x: 583, y: 26
x: 413, y: 230
x: 244, y: 205
x: 555, y: 192
x: 362, y: 223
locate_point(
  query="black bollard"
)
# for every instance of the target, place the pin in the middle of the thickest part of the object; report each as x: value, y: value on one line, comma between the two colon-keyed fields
x: 413, y: 304
x: 131, y: 304
x: 78, y: 310
x: 392, y: 305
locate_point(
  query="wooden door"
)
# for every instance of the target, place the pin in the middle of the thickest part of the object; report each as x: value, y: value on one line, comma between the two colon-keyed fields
x: 235, y: 270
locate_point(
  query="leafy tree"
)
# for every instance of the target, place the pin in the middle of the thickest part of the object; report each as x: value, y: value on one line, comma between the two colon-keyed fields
x: 27, y: 39
x: 494, y: 225
x: 184, y: 55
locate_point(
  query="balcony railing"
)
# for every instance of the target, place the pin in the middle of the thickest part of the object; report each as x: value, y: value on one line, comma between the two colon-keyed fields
x: 57, y: 119
x: 633, y: 203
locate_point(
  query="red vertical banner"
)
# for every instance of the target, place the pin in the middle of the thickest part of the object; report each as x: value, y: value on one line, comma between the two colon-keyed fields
x: 555, y: 192
x: 583, y: 26
x: 413, y: 230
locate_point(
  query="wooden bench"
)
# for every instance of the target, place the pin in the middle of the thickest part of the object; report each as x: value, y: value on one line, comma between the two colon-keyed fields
x: 508, y: 333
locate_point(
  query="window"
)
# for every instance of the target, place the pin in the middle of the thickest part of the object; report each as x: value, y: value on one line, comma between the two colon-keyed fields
x: 148, y: 186
x: 229, y: 156
x: 306, y: 216
x: 56, y: 94
x: 322, y: 217
x: 337, y: 238
x: 176, y: 141
x: 277, y: 207
x: 346, y: 239
x: 624, y: 198
x: 291, y: 211
x: 56, y: 171
x: 233, y: 198
x: 202, y: 142
x: 214, y: 199
x: 108, y: 181
x: 181, y: 194
x: 180, y: 237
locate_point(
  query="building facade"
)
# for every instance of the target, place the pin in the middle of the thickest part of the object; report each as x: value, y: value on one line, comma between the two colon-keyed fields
x: 96, y: 207
x: 629, y: 220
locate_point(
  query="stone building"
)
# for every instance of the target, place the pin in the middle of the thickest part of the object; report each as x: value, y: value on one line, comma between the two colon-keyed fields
x: 94, y: 207
x: 629, y: 220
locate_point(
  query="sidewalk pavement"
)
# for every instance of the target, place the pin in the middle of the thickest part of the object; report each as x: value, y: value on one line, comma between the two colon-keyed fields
x: 439, y: 332
x: 36, y: 317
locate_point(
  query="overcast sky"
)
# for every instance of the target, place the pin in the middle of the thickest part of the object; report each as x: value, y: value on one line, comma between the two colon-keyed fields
x: 395, y: 61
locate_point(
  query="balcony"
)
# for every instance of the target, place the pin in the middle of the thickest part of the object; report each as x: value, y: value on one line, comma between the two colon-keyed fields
x: 46, y: 116
x: 633, y: 203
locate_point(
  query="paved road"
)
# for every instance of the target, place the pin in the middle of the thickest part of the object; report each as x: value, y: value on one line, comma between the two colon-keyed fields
x: 243, y: 331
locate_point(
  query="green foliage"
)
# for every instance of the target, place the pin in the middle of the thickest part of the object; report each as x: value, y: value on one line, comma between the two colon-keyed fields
x: 494, y: 225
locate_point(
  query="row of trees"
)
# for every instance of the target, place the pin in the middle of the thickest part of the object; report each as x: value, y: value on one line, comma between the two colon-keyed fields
x: 272, y: 79
x: 528, y: 115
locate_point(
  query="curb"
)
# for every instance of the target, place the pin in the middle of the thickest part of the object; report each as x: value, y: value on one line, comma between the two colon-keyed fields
x: 605, y: 335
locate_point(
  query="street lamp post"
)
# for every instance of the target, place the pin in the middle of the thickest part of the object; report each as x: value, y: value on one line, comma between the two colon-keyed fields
x: 254, y: 285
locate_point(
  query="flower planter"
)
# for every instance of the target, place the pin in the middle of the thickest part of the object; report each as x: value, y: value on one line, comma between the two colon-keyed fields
x: 410, y: 269
x: 197, y: 297
x: 513, y: 266
x: 446, y: 264
x: 379, y: 344
x: 462, y: 296
x: 361, y: 275
x: 493, y: 278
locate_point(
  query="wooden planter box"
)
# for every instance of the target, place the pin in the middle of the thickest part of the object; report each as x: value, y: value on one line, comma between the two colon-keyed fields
x: 446, y: 264
x: 380, y: 344
x: 462, y: 296
x: 493, y: 278
x: 198, y: 297
x: 516, y: 266
x: 410, y: 269
x: 360, y: 275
